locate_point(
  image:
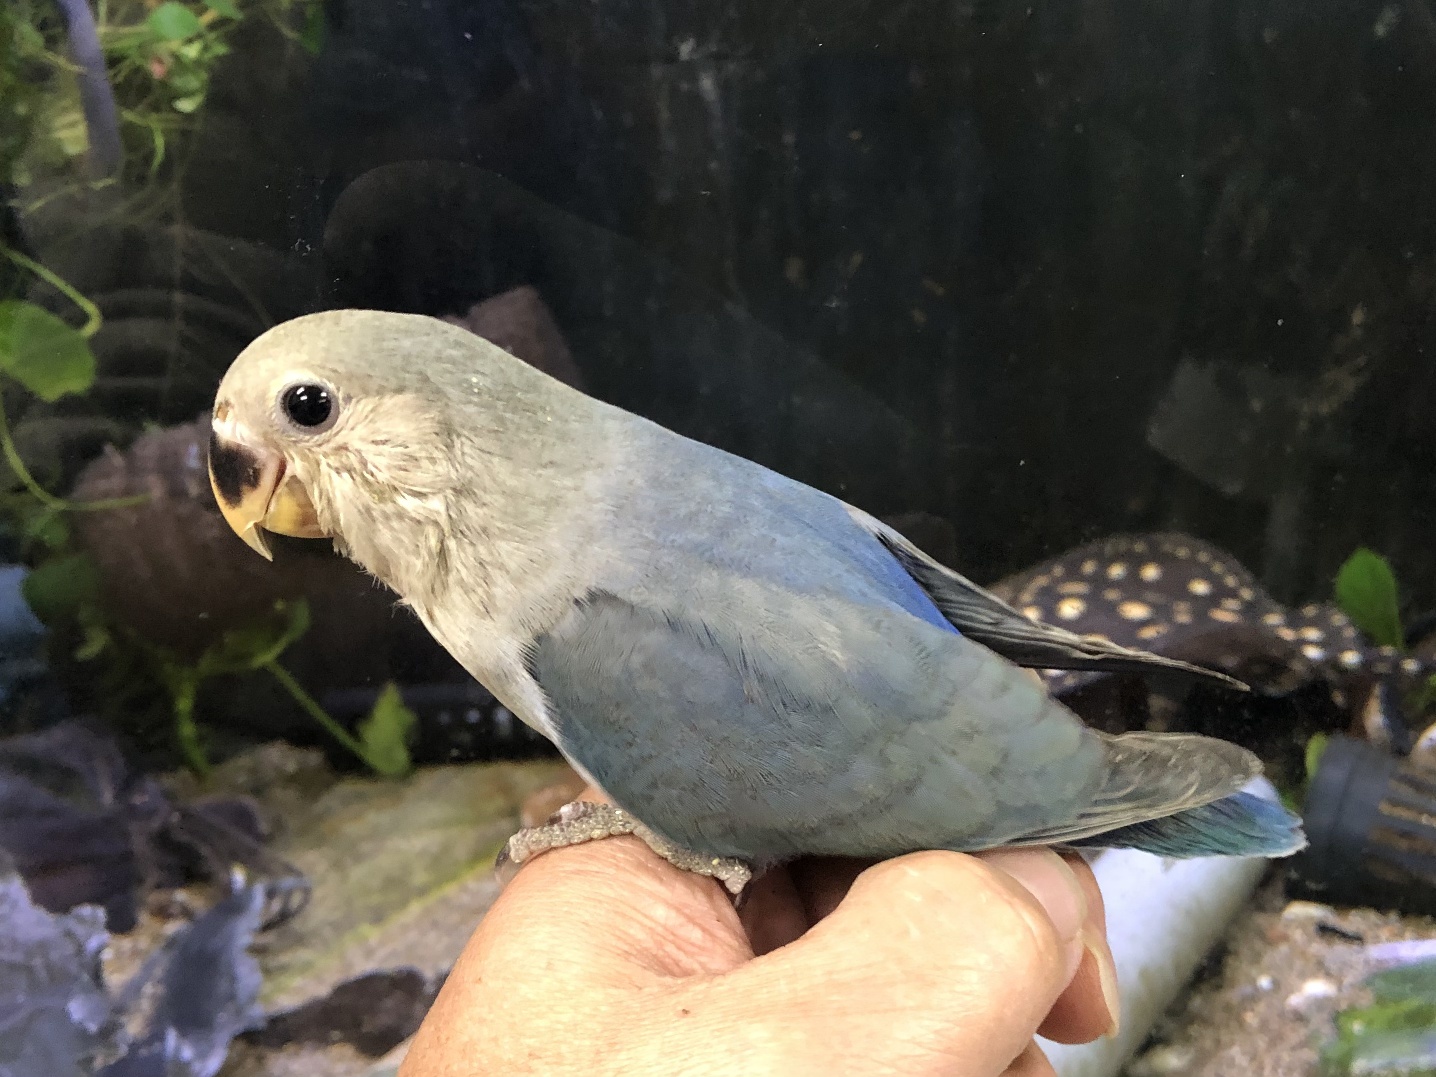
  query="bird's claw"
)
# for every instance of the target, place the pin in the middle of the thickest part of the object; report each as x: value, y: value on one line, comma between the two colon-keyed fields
x: 583, y: 821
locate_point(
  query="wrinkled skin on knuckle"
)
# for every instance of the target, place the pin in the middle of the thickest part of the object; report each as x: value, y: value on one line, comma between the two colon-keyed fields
x: 981, y: 945
x: 959, y: 899
x: 706, y: 942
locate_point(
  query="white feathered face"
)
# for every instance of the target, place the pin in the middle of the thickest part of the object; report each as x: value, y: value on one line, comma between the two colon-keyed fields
x: 316, y: 438
x: 420, y: 449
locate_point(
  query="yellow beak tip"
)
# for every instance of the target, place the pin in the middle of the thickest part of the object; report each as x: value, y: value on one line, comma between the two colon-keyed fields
x: 254, y: 539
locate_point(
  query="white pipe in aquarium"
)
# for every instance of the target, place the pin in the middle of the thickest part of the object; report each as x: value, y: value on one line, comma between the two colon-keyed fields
x: 1163, y: 918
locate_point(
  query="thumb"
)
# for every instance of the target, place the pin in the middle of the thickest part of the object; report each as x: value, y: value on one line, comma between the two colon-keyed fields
x: 934, y: 963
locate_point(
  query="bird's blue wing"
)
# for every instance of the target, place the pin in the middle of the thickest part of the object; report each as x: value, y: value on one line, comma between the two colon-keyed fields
x: 982, y: 616
x: 801, y: 729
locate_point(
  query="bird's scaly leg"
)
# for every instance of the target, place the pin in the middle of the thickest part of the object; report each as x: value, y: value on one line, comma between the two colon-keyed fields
x: 583, y: 821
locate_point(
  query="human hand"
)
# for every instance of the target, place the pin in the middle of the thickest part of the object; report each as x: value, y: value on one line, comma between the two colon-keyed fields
x: 604, y: 959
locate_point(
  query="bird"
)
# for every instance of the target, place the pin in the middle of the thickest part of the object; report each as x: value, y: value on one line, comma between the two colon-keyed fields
x: 751, y: 670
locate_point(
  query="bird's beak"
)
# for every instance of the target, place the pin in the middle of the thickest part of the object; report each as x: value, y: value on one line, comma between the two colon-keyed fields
x: 257, y: 493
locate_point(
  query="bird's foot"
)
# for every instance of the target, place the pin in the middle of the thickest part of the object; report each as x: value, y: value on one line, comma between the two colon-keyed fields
x: 584, y: 821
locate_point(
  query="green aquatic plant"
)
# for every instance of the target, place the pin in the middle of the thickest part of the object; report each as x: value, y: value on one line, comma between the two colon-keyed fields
x: 1395, y: 1036
x: 65, y: 589
x: 240, y: 650
x: 1366, y: 592
x: 382, y: 743
x: 141, y: 84
x: 94, y: 94
x: 49, y: 359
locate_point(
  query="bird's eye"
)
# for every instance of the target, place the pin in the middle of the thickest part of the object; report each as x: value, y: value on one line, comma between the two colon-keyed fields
x: 310, y: 406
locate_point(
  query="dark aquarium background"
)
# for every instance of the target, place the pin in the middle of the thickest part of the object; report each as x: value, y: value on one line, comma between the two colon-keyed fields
x: 1015, y: 277
x: 1121, y: 308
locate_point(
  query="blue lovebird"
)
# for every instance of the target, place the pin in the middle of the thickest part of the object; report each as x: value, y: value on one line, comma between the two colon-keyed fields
x: 750, y: 669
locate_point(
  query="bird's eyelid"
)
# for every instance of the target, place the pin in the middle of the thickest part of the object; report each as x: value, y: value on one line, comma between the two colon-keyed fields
x: 302, y: 377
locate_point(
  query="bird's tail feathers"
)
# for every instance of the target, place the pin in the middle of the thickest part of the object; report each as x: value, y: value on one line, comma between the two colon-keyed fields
x: 1243, y: 824
x: 1179, y: 795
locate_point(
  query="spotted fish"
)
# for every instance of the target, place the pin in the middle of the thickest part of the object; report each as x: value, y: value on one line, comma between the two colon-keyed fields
x: 1186, y: 599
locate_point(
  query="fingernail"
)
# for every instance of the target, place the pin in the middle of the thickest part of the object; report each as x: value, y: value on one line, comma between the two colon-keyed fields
x: 1048, y: 878
x: 1107, y: 975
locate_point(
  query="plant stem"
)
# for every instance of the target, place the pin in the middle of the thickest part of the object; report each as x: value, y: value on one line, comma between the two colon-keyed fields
x: 314, y: 710
x: 185, y: 729
x: 91, y: 312
x: 12, y: 457
x: 49, y: 500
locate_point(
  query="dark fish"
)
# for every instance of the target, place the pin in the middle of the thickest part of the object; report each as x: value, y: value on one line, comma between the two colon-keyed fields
x: 1186, y: 599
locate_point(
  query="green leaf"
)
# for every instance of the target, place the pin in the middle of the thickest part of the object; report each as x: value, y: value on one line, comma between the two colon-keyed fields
x: 1378, y: 1039
x: 1366, y: 592
x: 224, y: 7
x: 29, y: 41
x: 47, y: 526
x: 187, y: 104
x: 42, y: 353
x: 174, y: 22
x: 57, y: 589
x: 184, y: 75
x: 96, y: 638
x: 385, y: 734
x: 1314, y: 749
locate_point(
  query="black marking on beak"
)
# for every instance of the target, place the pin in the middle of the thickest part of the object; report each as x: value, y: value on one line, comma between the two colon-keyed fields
x: 235, y: 470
